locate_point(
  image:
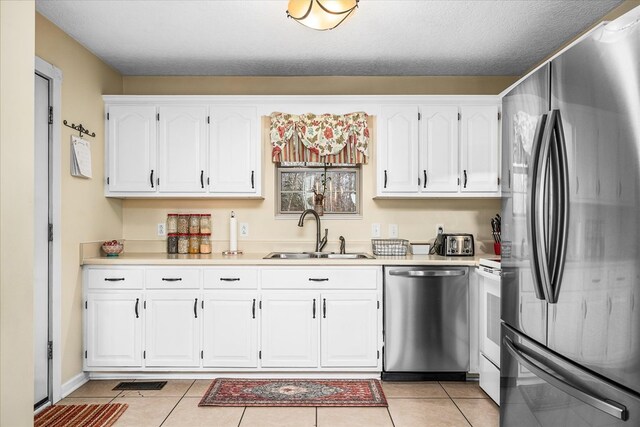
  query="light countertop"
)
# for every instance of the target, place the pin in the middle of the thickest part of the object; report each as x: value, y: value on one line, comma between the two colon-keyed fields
x: 157, y: 258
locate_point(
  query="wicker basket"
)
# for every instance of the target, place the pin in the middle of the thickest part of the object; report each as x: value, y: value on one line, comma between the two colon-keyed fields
x: 389, y: 247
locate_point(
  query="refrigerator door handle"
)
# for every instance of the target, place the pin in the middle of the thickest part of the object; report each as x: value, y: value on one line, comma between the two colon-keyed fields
x: 561, y: 382
x: 560, y: 229
x: 535, y: 209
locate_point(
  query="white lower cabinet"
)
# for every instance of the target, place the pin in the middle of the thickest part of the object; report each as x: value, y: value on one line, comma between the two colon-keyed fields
x: 113, y: 329
x: 244, y: 319
x: 348, y: 329
x: 290, y: 329
x: 230, y: 329
x: 172, y: 328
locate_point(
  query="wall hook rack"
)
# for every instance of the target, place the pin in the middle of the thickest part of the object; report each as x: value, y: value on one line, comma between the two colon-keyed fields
x: 79, y: 128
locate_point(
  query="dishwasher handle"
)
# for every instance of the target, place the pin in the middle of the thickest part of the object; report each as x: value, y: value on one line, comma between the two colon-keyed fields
x: 427, y: 273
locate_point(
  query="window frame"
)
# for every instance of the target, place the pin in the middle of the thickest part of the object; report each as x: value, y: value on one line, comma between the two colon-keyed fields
x: 318, y: 168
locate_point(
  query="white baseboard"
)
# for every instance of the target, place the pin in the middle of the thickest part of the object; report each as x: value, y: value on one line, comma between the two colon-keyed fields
x: 73, y: 384
x: 211, y: 375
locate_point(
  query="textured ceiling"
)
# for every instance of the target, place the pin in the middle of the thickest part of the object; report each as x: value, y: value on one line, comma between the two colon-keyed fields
x: 383, y: 37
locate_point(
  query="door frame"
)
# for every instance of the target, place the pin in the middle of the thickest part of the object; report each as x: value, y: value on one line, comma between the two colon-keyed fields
x: 55, y: 298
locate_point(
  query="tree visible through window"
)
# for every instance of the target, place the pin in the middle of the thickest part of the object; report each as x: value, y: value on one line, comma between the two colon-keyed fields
x: 296, y: 185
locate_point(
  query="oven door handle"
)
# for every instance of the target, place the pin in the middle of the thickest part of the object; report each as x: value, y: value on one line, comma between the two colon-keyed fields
x: 562, y: 382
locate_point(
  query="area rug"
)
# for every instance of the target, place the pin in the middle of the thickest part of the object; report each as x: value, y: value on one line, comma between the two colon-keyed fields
x: 80, y: 415
x: 293, y: 392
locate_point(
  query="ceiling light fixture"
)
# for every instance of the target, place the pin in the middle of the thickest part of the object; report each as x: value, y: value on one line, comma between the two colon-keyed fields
x: 321, y: 14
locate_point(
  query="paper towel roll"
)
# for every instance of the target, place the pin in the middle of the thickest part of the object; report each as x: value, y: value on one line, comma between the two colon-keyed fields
x: 233, y: 233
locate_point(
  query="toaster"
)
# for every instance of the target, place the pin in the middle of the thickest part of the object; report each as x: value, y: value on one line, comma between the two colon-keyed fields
x: 458, y: 244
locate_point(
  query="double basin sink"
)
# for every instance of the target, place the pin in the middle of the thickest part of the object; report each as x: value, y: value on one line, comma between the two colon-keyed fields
x: 319, y: 255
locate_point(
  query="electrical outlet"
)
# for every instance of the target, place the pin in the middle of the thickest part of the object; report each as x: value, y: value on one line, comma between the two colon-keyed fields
x: 393, y: 231
x: 244, y: 229
x: 161, y: 229
x: 375, y: 230
x: 439, y: 228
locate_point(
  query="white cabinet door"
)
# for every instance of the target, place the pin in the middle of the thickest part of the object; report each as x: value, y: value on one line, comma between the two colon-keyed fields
x: 230, y: 329
x: 234, y: 148
x: 290, y: 329
x: 439, y: 149
x: 479, y: 146
x: 131, y: 148
x: 348, y: 329
x: 183, y: 149
x: 114, y: 329
x: 172, y: 328
x: 398, y: 165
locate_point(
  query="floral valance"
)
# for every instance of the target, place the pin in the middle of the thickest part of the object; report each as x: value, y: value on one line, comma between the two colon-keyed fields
x: 325, y: 138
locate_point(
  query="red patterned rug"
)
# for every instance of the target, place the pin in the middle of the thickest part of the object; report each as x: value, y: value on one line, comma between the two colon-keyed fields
x: 80, y: 415
x: 288, y: 392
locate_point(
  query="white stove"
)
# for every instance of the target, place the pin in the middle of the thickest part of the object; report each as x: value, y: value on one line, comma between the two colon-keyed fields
x: 489, y: 271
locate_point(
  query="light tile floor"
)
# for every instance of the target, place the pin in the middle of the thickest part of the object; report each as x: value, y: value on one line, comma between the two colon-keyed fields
x: 411, y: 404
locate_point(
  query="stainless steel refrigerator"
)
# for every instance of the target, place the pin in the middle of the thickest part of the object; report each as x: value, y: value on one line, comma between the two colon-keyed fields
x: 570, y: 344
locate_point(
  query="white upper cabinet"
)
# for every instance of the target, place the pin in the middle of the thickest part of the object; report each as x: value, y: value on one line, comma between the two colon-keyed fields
x: 479, y: 149
x: 131, y: 148
x: 182, y: 149
x: 398, y: 155
x: 234, y: 150
x: 447, y: 150
x: 439, y: 149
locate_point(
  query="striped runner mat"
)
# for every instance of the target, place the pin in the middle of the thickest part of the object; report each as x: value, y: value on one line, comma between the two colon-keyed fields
x: 80, y: 415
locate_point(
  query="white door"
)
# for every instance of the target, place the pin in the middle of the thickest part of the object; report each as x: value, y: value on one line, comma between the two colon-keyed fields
x: 479, y: 147
x: 230, y: 329
x: 290, y: 329
x: 348, y: 329
x: 132, y: 148
x: 439, y: 149
x: 234, y: 147
x: 172, y: 328
x: 42, y: 218
x: 183, y: 149
x: 398, y: 157
x: 114, y: 329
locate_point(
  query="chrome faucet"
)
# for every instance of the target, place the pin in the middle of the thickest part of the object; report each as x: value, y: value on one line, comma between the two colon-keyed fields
x: 342, y: 244
x: 319, y: 242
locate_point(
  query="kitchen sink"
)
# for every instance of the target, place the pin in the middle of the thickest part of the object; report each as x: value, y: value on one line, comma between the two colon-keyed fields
x: 348, y: 256
x: 307, y: 255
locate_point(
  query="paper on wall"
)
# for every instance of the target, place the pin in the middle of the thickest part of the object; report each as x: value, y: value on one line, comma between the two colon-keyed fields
x: 80, y: 157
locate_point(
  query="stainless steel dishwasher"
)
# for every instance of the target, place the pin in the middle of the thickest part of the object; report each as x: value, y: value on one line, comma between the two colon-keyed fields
x: 426, y: 323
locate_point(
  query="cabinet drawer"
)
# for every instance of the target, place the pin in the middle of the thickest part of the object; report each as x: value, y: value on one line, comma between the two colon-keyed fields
x: 320, y: 278
x: 110, y: 278
x: 231, y: 278
x: 173, y: 278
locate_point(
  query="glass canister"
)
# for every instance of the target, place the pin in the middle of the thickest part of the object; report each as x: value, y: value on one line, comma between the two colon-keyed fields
x: 172, y: 243
x: 183, y: 223
x: 183, y: 243
x: 205, y: 223
x: 194, y: 243
x: 194, y: 224
x: 205, y: 243
x: 172, y: 223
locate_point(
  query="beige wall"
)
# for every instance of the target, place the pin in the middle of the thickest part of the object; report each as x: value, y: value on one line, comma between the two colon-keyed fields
x: 16, y: 212
x: 86, y: 214
x: 417, y: 219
